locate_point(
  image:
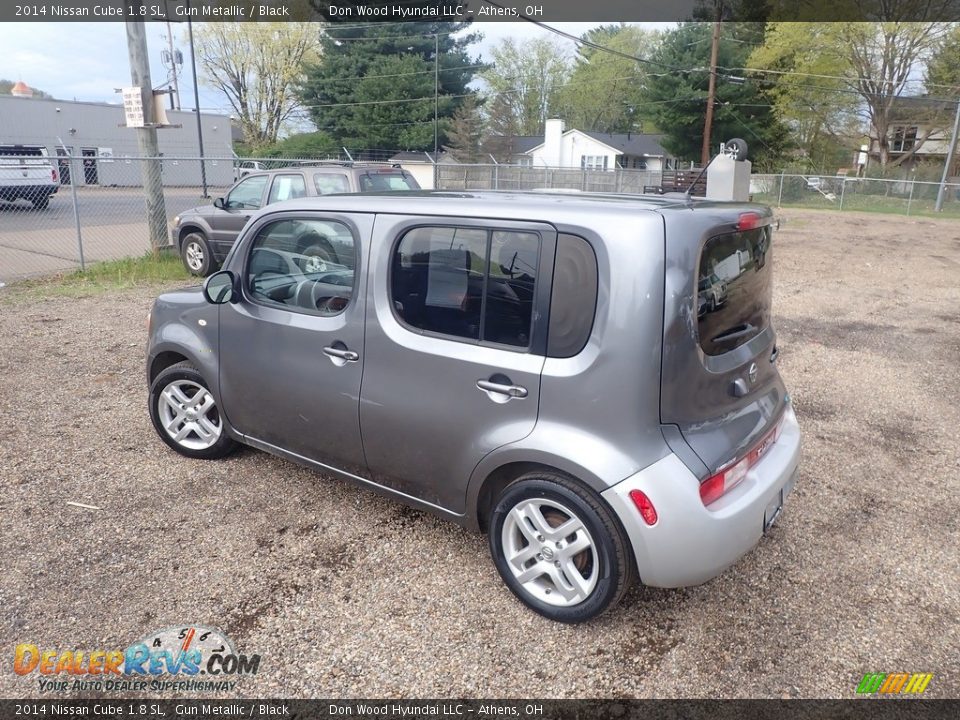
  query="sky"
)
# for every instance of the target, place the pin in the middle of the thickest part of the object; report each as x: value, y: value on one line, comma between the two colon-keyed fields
x: 86, y: 61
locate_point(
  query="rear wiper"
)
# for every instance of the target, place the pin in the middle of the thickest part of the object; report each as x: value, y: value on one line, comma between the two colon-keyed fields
x: 734, y: 332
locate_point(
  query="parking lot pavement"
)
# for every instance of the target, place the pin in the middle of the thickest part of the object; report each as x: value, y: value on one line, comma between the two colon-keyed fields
x: 113, y: 225
x: 343, y: 593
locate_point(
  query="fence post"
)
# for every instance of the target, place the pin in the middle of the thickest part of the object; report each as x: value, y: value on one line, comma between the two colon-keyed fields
x: 913, y: 184
x: 843, y: 191
x: 780, y: 195
x: 496, y: 177
x: 76, y: 210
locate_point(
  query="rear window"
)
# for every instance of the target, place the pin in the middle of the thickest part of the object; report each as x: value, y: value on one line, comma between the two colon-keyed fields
x: 734, y: 289
x: 378, y: 181
x: 20, y: 151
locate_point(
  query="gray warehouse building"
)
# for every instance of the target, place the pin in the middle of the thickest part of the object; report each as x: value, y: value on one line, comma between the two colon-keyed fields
x: 107, y: 151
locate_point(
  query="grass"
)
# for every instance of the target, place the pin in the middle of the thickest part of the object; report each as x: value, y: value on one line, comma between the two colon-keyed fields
x: 148, y: 269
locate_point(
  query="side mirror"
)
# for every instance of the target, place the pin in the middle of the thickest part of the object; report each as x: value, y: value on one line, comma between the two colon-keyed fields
x: 220, y: 288
x: 220, y: 204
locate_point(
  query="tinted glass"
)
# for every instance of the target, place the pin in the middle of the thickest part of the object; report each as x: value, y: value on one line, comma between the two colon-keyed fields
x: 372, y: 182
x: 327, y: 183
x: 303, y: 265
x: 514, y: 259
x: 287, y: 187
x: 437, y: 281
x: 573, y: 301
x: 247, y: 193
x: 467, y: 283
x: 734, y: 289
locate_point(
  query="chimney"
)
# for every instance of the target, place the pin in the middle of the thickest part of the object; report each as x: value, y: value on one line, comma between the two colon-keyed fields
x: 553, y: 143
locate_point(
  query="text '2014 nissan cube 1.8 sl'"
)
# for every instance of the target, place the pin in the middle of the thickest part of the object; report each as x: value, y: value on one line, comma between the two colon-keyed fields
x: 589, y: 379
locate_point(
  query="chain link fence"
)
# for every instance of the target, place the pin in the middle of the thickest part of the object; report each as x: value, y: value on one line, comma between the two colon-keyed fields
x: 906, y: 197
x: 61, y: 213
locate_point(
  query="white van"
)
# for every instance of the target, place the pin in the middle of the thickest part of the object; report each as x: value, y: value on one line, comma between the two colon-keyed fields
x: 26, y: 173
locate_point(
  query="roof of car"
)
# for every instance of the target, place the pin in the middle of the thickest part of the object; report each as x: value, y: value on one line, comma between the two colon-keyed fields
x: 495, y: 203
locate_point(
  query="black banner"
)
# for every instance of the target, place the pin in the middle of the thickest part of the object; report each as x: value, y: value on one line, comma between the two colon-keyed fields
x: 352, y: 11
x: 865, y: 709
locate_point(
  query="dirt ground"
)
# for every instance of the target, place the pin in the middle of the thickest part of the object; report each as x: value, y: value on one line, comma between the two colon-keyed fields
x: 344, y: 594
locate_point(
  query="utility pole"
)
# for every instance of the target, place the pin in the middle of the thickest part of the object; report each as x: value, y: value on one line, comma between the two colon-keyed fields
x: 147, y: 135
x: 938, y: 206
x: 173, y: 70
x: 705, y: 150
x: 196, y: 103
x: 436, y: 104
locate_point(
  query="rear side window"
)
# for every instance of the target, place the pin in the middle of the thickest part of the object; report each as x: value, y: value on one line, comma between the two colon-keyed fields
x: 734, y: 289
x: 468, y: 283
x: 573, y: 301
x: 373, y: 182
x: 327, y: 183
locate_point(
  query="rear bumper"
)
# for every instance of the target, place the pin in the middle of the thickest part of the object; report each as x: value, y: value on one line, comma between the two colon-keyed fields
x: 690, y: 544
x: 27, y: 191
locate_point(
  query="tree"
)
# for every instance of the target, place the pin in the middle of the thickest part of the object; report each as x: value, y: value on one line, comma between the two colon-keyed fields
x: 374, y: 89
x: 604, y: 92
x: 676, y: 94
x: 502, y: 129
x: 821, y: 113
x: 870, y: 63
x: 303, y: 145
x: 524, y: 80
x: 942, y: 77
x: 466, y: 131
x: 257, y: 67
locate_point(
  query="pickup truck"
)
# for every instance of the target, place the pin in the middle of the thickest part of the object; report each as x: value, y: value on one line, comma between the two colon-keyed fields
x: 26, y: 173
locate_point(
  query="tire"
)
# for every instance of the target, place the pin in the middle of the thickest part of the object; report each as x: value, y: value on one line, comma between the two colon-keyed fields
x: 740, y: 147
x: 171, y: 394
x: 535, y: 563
x: 41, y: 202
x: 196, y: 255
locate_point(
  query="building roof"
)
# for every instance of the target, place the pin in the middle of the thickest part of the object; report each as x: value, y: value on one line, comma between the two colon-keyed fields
x: 632, y: 143
x: 640, y: 144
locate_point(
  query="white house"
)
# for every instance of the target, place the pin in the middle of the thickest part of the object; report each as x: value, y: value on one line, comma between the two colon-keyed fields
x: 596, y: 151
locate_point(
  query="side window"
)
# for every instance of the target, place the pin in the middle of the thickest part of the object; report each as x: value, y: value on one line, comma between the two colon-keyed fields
x: 287, y: 187
x: 248, y: 193
x: 467, y: 282
x: 327, y: 183
x: 573, y: 297
x: 303, y: 265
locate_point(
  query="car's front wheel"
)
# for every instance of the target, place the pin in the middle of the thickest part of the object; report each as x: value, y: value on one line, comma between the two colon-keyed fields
x: 186, y: 416
x: 196, y: 255
x: 559, y: 548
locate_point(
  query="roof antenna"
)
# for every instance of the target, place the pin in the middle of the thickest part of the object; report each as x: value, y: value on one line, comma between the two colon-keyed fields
x: 735, y: 149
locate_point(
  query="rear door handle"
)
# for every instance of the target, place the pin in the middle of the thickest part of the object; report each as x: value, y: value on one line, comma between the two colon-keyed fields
x: 511, y: 391
x: 341, y: 353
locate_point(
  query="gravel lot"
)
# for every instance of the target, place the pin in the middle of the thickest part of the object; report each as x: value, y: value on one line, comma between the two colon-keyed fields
x: 345, y: 594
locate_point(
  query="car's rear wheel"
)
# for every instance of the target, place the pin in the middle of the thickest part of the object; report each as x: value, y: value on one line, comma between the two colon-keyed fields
x: 196, y: 255
x: 185, y: 414
x: 559, y: 548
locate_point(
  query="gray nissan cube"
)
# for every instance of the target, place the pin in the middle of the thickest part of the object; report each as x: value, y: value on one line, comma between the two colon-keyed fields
x: 589, y: 379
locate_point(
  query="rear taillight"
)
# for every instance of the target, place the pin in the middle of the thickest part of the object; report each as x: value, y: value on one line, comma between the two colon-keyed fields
x: 53, y: 174
x: 727, y: 478
x: 647, y: 511
x: 751, y: 221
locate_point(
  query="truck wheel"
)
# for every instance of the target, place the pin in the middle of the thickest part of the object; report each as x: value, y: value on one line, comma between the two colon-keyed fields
x: 196, y: 255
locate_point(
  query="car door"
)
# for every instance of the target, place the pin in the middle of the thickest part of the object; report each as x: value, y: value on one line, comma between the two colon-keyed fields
x: 244, y: 199
x: 291, y: 349
x: 454, y: 348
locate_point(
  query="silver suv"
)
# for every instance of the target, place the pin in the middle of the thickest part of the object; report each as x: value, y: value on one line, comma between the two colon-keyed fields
x: 204, y: 235
x: 535, y: 366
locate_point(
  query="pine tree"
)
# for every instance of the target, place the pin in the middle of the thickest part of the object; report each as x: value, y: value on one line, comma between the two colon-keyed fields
x: 466, y: 131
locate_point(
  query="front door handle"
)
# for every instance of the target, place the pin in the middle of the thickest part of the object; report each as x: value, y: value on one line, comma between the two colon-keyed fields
x: 511, y: 391
x: 341, y: 353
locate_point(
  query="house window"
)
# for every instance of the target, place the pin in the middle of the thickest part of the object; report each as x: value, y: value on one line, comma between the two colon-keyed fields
x: 525, y: 161
x: 639, y: 163
x: 593, y: 162
x: 904, y: 138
